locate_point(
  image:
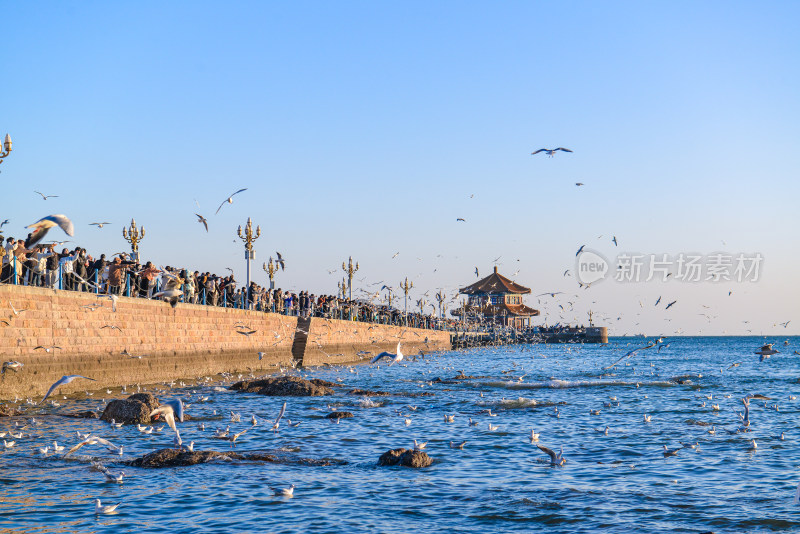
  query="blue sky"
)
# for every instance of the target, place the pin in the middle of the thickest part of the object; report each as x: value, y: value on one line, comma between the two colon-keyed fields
x: 367, y: 128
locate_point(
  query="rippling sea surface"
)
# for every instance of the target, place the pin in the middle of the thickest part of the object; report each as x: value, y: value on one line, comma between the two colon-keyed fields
x: 619, y: 481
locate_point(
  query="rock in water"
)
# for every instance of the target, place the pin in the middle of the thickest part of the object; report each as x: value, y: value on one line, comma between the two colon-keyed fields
x: 338, y: 415
x: 290, y: 386
x: 133, y: 410
x: 177, y: 457
x: 405, y: 457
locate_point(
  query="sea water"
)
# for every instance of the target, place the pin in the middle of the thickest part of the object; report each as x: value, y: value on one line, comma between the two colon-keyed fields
x: 619, y: 481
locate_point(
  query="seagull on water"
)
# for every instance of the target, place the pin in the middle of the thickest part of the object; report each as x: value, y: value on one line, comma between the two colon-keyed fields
x: 534, y: 436
x: 284, y: 492
x: 43, y: 225
x: 99, y: 508
x: 551, y: 151
x: 229, y: 200
x: 555, y: 459
x: 64, y: 380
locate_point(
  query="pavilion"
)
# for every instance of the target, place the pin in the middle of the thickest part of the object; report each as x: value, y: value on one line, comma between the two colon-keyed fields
x: 498, y: 300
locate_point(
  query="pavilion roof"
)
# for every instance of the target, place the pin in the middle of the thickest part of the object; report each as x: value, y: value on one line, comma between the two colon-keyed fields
x: 494, y: 284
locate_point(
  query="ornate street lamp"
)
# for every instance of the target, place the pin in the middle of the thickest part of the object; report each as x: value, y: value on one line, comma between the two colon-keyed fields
x: 406, y: 287
x: 270, y: 268
x: 133, y: 236
x: 6, y: 148
x: 249, y: 237
x: 440, y: 297
x: 350, y: 271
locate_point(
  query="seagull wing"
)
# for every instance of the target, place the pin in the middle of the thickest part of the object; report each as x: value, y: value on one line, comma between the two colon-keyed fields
x: 381, y: 355
x: 62, y: 380
x: 540, y: 150
x: 78, y: 446
x: 239, y: 191
x: 553, y: 456
x: 280, y: 415
x: 564, y: 149
x: 168, y: 413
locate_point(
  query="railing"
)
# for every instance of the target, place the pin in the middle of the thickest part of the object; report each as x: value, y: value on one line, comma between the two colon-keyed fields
x: 238, y: 300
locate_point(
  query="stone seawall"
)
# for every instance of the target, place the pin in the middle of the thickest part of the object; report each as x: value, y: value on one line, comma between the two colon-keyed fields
x: 334, y: 341
x: 185, y: 342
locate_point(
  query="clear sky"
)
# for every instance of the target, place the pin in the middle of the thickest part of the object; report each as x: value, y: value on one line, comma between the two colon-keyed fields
x: 368, y: 128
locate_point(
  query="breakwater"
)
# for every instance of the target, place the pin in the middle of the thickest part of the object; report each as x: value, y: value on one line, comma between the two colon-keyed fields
x: 147, y: 341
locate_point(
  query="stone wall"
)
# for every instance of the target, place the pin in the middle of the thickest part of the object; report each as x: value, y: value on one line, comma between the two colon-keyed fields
x: 335, y: 341
x: 185, y: 342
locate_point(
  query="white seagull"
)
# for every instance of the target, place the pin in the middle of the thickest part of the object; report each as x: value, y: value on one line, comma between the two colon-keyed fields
x: 43, y: 225
x: 229, y: 200
x: 64, y: 380
x: 99, y: 508
x: 555, y: 459
x: 393, y: 357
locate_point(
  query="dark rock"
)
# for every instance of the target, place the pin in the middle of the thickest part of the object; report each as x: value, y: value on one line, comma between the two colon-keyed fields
x: 290, y: 386
x: 181, y: 458
x: 405, y: 457
x: 135, y: 409
x: 177, y: 457
x: 82, y: 415
x: 338, y: 415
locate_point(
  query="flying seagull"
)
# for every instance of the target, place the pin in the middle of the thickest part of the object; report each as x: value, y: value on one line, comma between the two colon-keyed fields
x: 460, y: 219
x: 99, y: 225
x: 550, y: 151
x: 45, y: 197
x: 615, y: 241
x: 229, y: 200
x: 171, y: 410
x: 580, y: 250
x: 172, y: 291
x: 277, y: 422
x: 630, y: 354
x: 281, y: 261
x: 13, y: 365
x: 477, y: 275
x: 394, y: 357
x: 63, y: 381
x: 42, y: 226
x: 203, y: 220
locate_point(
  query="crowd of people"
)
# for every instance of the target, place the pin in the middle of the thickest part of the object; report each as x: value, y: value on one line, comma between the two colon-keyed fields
x: 77, y: 270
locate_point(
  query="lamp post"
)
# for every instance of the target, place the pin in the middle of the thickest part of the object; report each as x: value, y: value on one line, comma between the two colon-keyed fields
x: 270, y: 268
x: 6, y: 148
x: 440, y: 297
x: 389, y: 296
x: 248, y: 237
x: 133, y: 236
x: 350, y: 271
x: 406, y: 287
